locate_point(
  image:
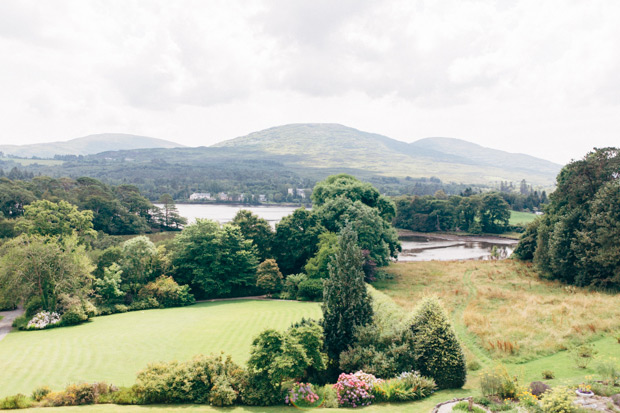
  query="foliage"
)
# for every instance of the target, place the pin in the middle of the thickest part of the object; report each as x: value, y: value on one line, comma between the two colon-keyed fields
x: 60, y: 220
x: 609, y: 369
x: 284, y: 356
x: 108, y: 287
x: 43, y: 320
x: 374, y: 233
x: 190, y: 382
x: 355, y: 389
x: 494, y: 213
x: 464, y: 406
x: 138, y: 256
x: 558, y: 400
x: 576, y: 241
x: 268, y: 276
x: 215, y: 261
x: 168, y: 215
x: 295, y: 240
x: 19, y: 401
x: 438, y: 353
x: 257, y: 230
x: 167, y: 292
x: 310, y: 290
x: 318, y: 265
x: 258, y: 390
x: 291, y: 286
x: 496, y: 381
x: 302, y: 395
x: 43, y: 267
x: 40, y: 392
x: 408, y: 386
x: 346, y: 303
x: 548, y: 375
x: 78, y: 394
x: 538, y: 387
x: 583, y: 355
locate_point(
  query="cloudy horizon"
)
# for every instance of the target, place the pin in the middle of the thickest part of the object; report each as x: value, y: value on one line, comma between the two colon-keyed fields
x: 526, y: 77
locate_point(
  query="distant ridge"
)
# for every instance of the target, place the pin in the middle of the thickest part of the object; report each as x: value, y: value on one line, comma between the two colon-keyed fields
x: 328, y: 145
x: 87, y: 145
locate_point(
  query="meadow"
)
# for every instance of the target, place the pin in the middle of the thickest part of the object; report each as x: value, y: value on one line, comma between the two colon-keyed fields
x: 114, y: 348
x: 502, y: 310
x: 521, y: 218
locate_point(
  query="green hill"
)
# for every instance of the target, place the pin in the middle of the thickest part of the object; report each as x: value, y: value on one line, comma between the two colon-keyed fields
x: 87, y: 145
x: 338, y: 146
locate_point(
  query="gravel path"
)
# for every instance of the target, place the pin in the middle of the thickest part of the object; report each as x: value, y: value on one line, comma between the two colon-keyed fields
x: 7, y: 321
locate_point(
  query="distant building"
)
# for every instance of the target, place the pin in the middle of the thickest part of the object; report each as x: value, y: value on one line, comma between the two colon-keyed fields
x: 291, y: 191
x: 200, y: 195
x: 223, y: 196
x: 301, y: 193
x: 262, y: 198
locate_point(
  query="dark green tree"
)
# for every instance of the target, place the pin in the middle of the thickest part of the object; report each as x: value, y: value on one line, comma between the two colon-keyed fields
x: 346, y: 303
x: 318, y: 266
x: 257, y: 230
x: 268, y: 276
x: 170, y: 218
x: 296, y: 240
x: 494, y: 213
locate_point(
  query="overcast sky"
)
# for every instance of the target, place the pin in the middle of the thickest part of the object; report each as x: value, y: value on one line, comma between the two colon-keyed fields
x: 539, y: 77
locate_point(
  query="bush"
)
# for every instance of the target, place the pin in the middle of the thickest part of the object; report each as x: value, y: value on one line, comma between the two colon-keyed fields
x: 144, y: 304
x: 329, y: 396
x: 497, y: 382
x: 75, y: 310
x: 19, y: 401
x: 223, y: 392
x: 123, y: 396
x: 120, y: 308
x: 291, y: 286
x: 310, y: 290
x: 42, y: 320
x: 268, y: 276
x: 408, y: 386
x: 21, y: 322
x: 189, y: 382
x: 438, y: 352
x: 355, y: 389
x: 33, y: 306
x: 258, y: 390
x: 167, y: 292
x: 548, y: 375
x: 78, y: 394
x: 302, y: 395
x: 558, y: 400
x: 40, y: 392
x: 583, y: 355
x: 537, y: 388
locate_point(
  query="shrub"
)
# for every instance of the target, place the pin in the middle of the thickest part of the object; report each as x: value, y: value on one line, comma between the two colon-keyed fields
x: 548, y: 375
x: 464, y: 406
x: 473, y: 365
x: 123, y: 396
x: 222, y: 392
x: 19, y: 401
x: 302, y: 395
x: 537, y: 388
x: 310, y: 290
x: 42, y: 320
x: 329, y: 396
x: 77, y: 394
x: 497, y: 382
x: 145, y: 304
x: 120, y: 308
x: 355, y: 389
x: 75, y: 310
x: 189, y: 382
x: 40, y: 392
x: 167, y: 292
x: 258, y: 390
x: 529, y: 400
x: 438, y: 352
x: 291, y: 285
x: 583, y: 355
x: 268, y: 276
x: 408, y: 386
x: 33, y: 306
x: 558, y: 400
x: 609, y: 370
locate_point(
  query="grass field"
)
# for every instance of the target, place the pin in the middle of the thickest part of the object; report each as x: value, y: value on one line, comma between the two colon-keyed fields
x: 521, y: 218
x: 502, y: 310
x: 114, y: 348
x: 26, y: 162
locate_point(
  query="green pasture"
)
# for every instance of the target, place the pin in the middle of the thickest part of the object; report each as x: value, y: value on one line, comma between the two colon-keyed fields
x: 114, y: 348
x: 521, y: 218
x: 27, y: 162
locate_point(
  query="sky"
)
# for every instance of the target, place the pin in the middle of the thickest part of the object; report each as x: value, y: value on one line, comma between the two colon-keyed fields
x: 536, y: 77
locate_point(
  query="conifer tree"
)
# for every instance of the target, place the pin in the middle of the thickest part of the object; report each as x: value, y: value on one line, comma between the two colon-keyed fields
x: 346, y: 304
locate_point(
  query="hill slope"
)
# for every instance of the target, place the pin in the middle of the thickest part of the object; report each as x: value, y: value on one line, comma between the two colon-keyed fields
x: 338, y: 146
x: 87, y: 145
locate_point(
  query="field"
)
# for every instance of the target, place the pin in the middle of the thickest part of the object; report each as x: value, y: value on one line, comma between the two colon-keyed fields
x: 502, y: 310
x: 114, y: 348
x: 521, y: 218
x: 27, y: 162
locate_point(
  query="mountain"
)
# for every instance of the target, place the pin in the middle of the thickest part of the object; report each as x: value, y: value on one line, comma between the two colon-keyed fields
x: 337, y: 146
x: 87, y: 145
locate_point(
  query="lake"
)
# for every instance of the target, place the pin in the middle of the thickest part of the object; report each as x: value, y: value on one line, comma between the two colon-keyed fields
x: 416, y: 246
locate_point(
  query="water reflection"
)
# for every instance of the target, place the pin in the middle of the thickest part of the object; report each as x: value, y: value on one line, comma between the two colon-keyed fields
x: 429, y: 247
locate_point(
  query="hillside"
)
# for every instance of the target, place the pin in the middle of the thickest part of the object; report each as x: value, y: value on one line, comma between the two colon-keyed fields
x: 87, y: 145
x: 338, y: 146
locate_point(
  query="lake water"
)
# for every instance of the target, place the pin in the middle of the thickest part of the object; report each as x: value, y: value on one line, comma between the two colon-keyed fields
x: 416, y: 247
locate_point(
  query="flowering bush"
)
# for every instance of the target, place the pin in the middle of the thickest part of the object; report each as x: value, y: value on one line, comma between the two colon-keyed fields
x: 355, y: 389
x: 528, y: 399
x: 558, y: 400
x: 42, y: 320
x: 302, y: 395
x: 585, y: 388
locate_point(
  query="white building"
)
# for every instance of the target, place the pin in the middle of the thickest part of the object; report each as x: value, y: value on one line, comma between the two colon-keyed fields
x: 200, y: 195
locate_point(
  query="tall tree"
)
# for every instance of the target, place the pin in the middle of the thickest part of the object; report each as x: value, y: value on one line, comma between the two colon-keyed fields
x: 346, y: 303
x: 296, y: 239
x: 170, y: 214
x: 56, y: 219
x: 257, y: 230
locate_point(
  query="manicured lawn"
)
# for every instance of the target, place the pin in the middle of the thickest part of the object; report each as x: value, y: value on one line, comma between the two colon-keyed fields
x: 521, y: 218
x: 114, y: 348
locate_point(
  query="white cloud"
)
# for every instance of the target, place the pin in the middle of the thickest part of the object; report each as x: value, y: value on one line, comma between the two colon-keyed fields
x: 527, y: 76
